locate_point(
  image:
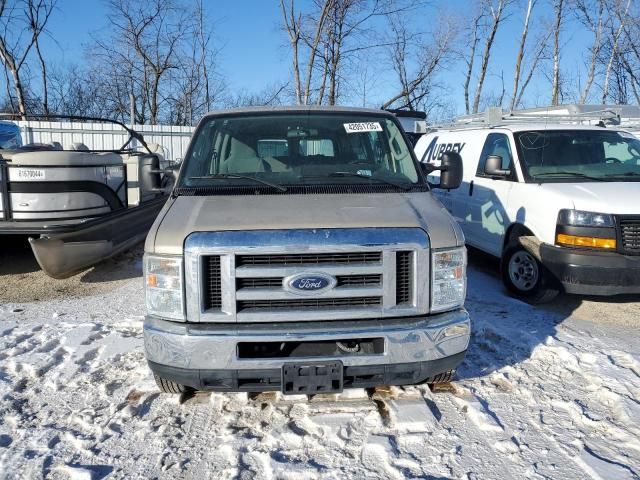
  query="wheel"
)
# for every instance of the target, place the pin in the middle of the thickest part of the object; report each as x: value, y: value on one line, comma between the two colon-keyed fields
x: 168, y: 386
x: 444, y: 377
x: 525, y: 277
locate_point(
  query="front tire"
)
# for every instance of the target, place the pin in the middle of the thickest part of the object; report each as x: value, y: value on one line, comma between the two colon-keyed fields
x: 444, y: 377
x: 168, y: 386
x: 525, y: 277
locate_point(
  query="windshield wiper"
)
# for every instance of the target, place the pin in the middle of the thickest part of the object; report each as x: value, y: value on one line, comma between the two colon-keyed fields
x: 369, y: 177
x: 234, y: 176
x: 626, y: 174
x: 569, y: 174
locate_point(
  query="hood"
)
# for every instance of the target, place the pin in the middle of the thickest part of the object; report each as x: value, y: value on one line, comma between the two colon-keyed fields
x: 185, y: 215
x: 603, y: 197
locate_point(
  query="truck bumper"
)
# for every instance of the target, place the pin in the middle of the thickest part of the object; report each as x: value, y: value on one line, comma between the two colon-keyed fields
x: 592, y: 273
x: 212, y: 356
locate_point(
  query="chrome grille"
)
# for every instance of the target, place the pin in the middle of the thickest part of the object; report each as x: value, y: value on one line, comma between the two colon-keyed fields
x: 213, y: 285
x: 342, y: 281
x: 359, y: 280
x: 374, y: 270
x: 309, y: 259
x: 404, y: 277
x: 351, y: 302
x: 630, y: 235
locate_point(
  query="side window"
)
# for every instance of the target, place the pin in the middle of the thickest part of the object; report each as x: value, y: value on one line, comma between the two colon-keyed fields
x: 496, y: 144
x: 619, y: 151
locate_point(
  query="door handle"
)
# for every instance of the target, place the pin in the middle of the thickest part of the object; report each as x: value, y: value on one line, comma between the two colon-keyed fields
x: 471, y: 188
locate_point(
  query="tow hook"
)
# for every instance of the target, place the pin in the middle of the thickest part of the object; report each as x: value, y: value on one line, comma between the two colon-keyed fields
x: 351, y: 346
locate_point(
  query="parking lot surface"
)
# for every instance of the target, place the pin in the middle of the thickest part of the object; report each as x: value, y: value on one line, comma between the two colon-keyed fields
x: 545, y: 392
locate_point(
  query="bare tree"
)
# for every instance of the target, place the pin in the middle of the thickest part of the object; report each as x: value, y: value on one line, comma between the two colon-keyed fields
x: 470, y: 58
x: 497, y: 13
x: 274, y: 94
x: 293, y: 25
x: 22, y: 22
x: 621, y: 14
x: 416, y: 65
x: 591, y: 15
x: 521, y: 51
x: 348, y: 32
x: 536, y: 58
x: 194, y: 86
x: 147, y: 35
x: 631, y: 55
x: 558, y: 19
x: 328, y: 37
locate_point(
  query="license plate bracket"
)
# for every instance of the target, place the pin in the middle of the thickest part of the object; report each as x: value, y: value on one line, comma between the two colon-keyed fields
x: 310, y: 378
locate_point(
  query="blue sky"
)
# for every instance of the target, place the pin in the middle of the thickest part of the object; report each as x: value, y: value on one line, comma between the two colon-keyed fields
x: 254, y: 49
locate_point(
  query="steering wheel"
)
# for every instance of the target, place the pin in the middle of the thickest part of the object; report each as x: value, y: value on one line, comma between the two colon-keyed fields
x: 612, y: 160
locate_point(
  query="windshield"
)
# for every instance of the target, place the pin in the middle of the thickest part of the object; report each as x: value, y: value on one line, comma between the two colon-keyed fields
x: 579, y: 155
x: 276, y: 150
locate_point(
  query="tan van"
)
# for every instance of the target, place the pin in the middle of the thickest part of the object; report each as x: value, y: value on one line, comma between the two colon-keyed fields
x: 302, y: 251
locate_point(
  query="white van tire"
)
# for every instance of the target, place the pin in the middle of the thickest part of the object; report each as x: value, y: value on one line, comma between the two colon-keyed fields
x: 168, y: 386
x: 525, y: 277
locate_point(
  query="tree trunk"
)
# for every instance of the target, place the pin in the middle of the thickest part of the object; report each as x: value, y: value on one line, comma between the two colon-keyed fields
x: 536, y: 60
x: 523, y: 42
x: 595, y: 52
x: 10, y: 64
x: 555, y: 87
x: 614, y: 52
x: 45, y: 89
x: 293, y: 29
x: 314, y: 49
x: 472, y: 56
x: 497, y: 18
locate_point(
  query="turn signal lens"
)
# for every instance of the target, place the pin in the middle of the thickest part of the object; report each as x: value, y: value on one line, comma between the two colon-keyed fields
x: 591, y: 242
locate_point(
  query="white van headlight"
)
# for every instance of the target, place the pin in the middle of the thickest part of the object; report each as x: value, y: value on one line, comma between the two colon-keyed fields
x: 579, y: 218
x: 163, y: 286
x: 448, y: 278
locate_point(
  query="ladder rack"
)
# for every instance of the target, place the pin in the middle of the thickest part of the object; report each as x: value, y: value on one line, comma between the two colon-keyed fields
x: 625, y: 116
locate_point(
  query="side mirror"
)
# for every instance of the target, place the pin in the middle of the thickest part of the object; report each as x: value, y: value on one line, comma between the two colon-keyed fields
x: 148, y: 177
x: 427, y: 168
x: 451, y: 170
x: 493, y: 167
x: 167, y: 177
x: 171, y: 172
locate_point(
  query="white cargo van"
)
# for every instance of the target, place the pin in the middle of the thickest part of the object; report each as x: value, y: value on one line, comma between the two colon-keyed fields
x: 558, y: 202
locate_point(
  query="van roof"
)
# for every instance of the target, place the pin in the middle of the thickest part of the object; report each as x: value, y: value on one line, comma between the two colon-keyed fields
x: 299, y: 109
x: 521, y: 127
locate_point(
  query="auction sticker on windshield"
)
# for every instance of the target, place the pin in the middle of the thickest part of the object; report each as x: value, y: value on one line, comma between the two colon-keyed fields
x: 29, y: 174
x: 360, y: 127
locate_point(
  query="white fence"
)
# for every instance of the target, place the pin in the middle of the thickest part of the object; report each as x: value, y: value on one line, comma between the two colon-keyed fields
x: 106, y: 136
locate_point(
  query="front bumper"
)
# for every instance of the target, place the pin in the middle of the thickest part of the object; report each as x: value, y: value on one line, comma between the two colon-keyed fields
x: 587, y: 272
x: 206, y: 356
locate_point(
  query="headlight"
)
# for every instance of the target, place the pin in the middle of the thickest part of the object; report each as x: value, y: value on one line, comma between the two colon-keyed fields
x: 163, y: 286
x: 448, y: 279
x: 578, y: 218
x: 577, y: 228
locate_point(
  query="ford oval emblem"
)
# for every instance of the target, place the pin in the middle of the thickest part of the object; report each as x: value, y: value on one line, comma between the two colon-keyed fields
x: 310, y: 283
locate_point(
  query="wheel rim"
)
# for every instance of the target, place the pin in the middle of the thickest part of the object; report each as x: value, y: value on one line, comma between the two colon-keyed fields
x: 523, y: 271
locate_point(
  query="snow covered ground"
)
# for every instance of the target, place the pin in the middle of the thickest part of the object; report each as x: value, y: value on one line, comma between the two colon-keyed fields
x: 548, y: 392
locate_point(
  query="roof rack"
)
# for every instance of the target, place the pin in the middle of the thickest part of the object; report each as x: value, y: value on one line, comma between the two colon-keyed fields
x: 574, y: 114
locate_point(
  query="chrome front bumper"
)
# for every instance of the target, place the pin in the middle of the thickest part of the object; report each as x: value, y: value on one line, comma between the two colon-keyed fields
x: 214, y: 346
